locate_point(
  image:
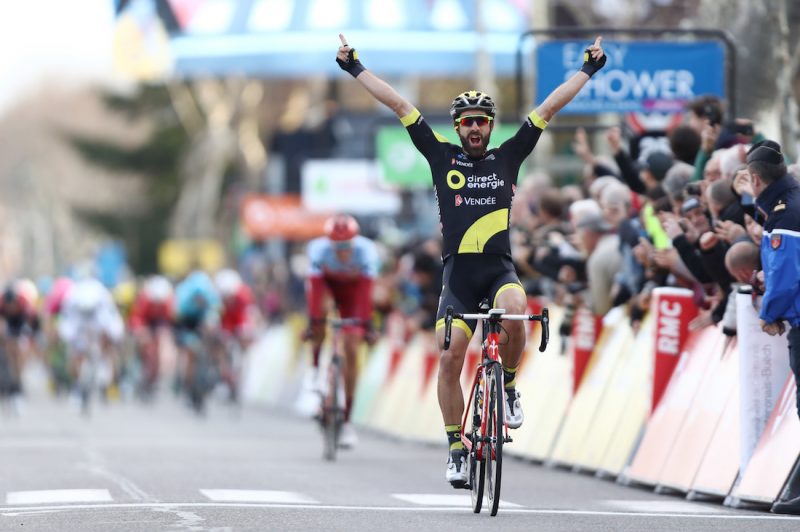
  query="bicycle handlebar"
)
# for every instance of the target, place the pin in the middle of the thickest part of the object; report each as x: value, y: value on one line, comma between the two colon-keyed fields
x: 543, y: 318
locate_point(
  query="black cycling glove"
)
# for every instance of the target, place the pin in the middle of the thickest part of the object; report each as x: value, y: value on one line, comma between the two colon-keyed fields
x: 352, y: 66
x: 590, y: 64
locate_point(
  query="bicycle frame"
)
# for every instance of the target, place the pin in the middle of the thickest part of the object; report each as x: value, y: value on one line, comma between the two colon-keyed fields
x: 490, y: 348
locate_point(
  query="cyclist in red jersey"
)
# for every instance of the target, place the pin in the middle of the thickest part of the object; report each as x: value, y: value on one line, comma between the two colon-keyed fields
x: 343, y: 264
x: 474, y: 188
x: 150, y: 313
x: 238, y: 322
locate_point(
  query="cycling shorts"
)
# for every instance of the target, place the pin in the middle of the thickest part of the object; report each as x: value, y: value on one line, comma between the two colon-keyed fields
x: 468, y: 279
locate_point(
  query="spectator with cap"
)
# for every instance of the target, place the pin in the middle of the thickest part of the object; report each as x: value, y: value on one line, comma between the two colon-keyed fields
x: 778, y: 202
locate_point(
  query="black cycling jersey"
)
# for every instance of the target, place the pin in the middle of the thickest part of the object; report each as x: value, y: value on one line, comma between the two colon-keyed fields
x: 474, y: 195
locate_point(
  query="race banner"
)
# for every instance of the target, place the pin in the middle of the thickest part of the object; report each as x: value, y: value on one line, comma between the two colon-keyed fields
x: 763, y: 369
x: 640, y: 76
x: 586, y: 328
x: 673, y: 309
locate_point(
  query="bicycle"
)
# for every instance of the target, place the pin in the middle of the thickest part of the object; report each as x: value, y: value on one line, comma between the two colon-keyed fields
x: 332, y: 409
x: 487, y: 430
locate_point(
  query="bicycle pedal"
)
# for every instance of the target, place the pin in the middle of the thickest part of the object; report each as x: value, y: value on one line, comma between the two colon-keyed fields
x: 461, y: 485
x: 508, y: 439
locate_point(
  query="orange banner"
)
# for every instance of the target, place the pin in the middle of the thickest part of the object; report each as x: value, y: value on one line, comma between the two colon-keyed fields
x: 265, y: 217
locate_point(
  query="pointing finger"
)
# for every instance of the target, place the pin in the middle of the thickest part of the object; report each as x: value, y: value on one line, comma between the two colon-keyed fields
x: 598, y: 41
x: 344, y: 41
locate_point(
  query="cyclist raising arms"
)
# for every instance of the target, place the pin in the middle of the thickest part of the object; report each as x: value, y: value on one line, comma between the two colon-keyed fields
x: 474, y: 187
x: 344, y: 264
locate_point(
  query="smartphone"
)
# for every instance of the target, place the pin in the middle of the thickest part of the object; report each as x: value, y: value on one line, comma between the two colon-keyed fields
x: 744, y: 129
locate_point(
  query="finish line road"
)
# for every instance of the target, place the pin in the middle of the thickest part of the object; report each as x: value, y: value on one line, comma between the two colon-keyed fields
x: 143, y: 468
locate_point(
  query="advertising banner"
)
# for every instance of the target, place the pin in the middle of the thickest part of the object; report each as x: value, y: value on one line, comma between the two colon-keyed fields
x: 586, y: 328
x: 673, y: 309
x: 774, y: 457
x: 763, y: 368
x: 346, y: 185
x: 265, y: 217
x: 638, y: 76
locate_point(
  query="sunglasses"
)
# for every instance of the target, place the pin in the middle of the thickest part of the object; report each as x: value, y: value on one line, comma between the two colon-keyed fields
x: 481, y: 120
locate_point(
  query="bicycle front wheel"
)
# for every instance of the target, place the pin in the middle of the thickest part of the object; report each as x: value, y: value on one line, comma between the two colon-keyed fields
x: 332, y: 413
x: 493, y: 450
x: 477, y: 468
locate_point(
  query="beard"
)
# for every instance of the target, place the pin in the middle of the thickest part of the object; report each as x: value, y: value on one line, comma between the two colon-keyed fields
x: 474, y: 144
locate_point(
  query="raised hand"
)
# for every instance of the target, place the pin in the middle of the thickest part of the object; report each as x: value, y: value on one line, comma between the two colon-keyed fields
x: 347, y: 58
x: 593, y: 58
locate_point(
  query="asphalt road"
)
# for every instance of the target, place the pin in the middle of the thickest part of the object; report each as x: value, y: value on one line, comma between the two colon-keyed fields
x: 136, y: 467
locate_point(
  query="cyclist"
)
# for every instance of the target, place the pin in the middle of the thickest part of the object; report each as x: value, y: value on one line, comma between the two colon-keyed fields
x: 90, y: 324
x: 344, y: 264
x: 21, y: 324
x: 237, y: 322
x: 474, y: 187
x: 150, y: 313
x: 196, y: 318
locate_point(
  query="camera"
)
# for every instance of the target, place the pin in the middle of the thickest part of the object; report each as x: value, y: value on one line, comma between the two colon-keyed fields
x: 741, y: 128
x: 692, y: 189
x: 712, y: 113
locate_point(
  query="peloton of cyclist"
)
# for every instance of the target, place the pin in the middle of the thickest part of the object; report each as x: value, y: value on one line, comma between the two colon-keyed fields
x: 474, y: 187
x: 343, y: 264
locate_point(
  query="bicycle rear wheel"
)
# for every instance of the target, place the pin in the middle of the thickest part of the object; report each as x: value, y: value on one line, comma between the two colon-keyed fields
x: 477, y: 468
x: 493, y: 451
x: 332, y: 412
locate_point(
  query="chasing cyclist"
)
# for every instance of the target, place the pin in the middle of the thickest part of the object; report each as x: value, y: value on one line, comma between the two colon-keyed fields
x: 474, y: 187
x: 344, y: 265
x: 238, y: 326
x: 197, y: 307
x: 151, y: 314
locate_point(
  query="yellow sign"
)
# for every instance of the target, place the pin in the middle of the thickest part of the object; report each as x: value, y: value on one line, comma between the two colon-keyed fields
x: 178, y: 257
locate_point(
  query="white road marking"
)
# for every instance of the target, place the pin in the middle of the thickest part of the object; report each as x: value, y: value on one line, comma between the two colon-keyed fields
x: 57, y: 496
x: 97, y: 465
x: 662, y: 506
x: 260, y: 496
x: 438, y: 499
x: 11, y: 511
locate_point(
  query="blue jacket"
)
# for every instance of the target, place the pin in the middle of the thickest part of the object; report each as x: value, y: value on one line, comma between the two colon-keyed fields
x: 780, y: 251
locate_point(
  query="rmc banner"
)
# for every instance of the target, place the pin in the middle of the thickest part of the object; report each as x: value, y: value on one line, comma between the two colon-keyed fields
x: 638, y: 77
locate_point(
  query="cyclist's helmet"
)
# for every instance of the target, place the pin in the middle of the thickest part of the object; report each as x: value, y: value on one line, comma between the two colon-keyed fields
x: 341, y: 227
x: 472, y: 100
x: 158, y: 289
x: 228, y: 282
x: 10, y: 294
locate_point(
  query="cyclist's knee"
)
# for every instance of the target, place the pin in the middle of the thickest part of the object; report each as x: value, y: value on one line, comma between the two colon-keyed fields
x: 513, y: 301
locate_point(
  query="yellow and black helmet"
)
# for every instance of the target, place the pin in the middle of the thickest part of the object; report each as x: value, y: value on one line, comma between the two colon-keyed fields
x: 472, y: 100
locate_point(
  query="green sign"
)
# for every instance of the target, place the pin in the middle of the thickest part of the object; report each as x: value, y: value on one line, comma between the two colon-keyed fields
x: 402, y: 165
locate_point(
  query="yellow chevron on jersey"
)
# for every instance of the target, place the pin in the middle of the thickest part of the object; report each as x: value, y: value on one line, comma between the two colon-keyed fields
x: 482, y: 230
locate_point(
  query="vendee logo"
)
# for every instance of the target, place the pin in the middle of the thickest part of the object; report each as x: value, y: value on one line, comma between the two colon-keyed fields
x: 459, y: 200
